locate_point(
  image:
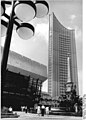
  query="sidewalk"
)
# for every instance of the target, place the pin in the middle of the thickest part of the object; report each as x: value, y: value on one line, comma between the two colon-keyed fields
x: 31, y: 116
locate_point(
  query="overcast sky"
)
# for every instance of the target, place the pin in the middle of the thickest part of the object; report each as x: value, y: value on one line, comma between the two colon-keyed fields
x: 69, y: 13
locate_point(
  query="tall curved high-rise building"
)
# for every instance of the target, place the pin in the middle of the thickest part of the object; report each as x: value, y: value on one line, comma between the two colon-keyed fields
x: 61, y: 46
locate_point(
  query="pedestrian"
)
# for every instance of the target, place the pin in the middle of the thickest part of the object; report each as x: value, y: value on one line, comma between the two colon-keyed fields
x: 10, y: 109
x: 22, y: 108
x: 35, y: 108
x: 47, y: 110
x: 38, y: 110
x: 42, y: 110
x: 25, y: 109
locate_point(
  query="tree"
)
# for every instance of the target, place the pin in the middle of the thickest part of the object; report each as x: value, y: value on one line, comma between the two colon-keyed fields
x: 69, y: 100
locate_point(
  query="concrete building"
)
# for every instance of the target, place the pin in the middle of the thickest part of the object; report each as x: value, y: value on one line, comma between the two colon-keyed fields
x: 61, y: 46
x: 24, y: 78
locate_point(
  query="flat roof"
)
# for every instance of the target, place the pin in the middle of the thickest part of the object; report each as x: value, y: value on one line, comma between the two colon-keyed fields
x: 25, y: 66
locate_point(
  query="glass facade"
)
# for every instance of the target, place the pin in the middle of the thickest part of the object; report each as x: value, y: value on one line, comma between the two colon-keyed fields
x: 61, y: 46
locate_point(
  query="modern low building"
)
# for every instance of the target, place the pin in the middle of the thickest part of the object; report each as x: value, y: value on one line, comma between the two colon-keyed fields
x: 24, y: 78
x: 45, y: 95
x: 61, y: 47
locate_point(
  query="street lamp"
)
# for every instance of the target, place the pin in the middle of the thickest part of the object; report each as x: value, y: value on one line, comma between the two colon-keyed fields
x: 23, y: 11
x: 42, y: 8
x: 3, y: 28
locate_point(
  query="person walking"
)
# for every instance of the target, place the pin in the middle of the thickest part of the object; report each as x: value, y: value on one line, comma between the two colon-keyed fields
x: 38, y: 110
x: 42, y: 110
x: 25, y: 109
x: 47, y: 110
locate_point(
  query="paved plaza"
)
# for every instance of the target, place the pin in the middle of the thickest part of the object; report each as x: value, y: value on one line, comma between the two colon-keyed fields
x: 30, y: 116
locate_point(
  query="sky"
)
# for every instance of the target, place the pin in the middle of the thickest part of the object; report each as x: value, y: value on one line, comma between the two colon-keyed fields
x: 69, y: 13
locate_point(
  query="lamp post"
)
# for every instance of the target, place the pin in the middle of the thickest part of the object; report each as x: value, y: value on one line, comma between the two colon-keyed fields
x: 7, y: 45
x: 24, y: 11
